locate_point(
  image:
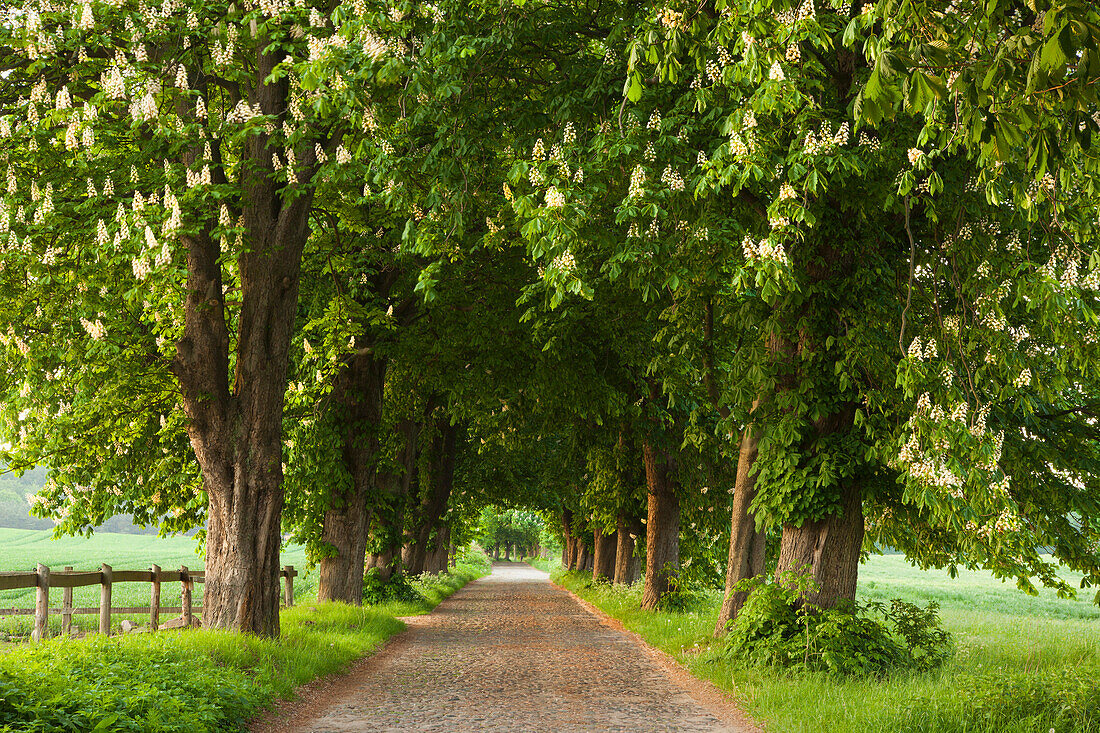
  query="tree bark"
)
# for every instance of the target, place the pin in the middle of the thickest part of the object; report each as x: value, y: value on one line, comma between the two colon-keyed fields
x: 582, y: 555
x: 603, y: 566
x: 436, y: 494
x: 662, y: 524
x: 236, y: 432
x: 437, y: 557
x: 388, y: 528
x: 624, y: 554
x: 828, y: 548
x: 566, y: 539
x: 747, y: 545
x: 358, y: 391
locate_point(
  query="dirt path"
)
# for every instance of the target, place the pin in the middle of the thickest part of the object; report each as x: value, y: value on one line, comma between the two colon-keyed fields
x: 512, y: 652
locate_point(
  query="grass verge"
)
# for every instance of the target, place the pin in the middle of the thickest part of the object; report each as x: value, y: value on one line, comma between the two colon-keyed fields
x: 199, y: 680
x: 1023, y: 665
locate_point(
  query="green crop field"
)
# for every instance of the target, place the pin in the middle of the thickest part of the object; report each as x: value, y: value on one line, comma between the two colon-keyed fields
x: 22, y: 550
x: 1022, y: 663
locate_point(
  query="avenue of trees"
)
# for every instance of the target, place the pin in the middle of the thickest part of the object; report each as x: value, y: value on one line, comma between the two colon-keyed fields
x: 715, y: 290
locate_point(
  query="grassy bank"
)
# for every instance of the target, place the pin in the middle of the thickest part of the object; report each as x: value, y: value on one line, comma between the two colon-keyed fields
x: 1022, y: 663
x: 198, y: 680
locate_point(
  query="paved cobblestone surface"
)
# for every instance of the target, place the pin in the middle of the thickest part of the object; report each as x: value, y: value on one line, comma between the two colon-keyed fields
x: 512, y: 652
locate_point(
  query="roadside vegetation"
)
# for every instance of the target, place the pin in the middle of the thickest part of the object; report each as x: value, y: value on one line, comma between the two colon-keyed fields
x: 1019, y: 663
x: 201, y: 680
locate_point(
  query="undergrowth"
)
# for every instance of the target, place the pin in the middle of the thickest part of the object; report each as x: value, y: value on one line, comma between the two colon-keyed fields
x: 775, y: 629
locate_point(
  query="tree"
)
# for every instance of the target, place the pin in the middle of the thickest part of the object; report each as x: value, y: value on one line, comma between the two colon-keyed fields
x: 206, y: 127
x: 866, y: 243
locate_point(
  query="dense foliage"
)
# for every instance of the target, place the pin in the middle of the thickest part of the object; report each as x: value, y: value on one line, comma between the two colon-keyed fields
x: 773, y: 629
x: 737, y: 287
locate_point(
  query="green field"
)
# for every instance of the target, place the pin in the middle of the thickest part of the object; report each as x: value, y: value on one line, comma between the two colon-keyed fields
x: 22, y: 550
x: 1022, y: 663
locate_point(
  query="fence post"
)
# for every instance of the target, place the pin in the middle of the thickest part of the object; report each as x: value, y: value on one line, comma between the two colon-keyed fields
x: 41, y: 603
x: 185, y: 596
x: 154, y: 599
x: 288, y: 585
x: 105, y: 600
x: 67, y: 607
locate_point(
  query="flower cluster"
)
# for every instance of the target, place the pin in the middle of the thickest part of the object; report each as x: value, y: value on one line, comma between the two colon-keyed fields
x: 670, y: 18
x: 565, y: 262
x: 637, y: 183
x: 764, y: 249
x: 672, y: 179
x: 871, y: 143
x: 94, y: 328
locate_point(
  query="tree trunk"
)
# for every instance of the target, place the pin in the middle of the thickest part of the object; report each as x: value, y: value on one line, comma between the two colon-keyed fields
x: 747, y: 545
x: 828, y: 548
x: 437, y: 557
x: 566, y: 539
x: 624, y: 553
x: 662, y: 524
x: 358, y: 392
x: 603, y: 567
x: 236, y: 431
x: 388, y: 528
x: 582, y: 555
x: 436, y: 494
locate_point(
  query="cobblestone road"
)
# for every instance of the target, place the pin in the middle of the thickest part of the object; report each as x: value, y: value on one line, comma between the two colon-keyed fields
x: 512, y: 652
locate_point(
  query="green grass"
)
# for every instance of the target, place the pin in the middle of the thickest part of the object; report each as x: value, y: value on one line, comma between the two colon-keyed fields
x: 180, y: 681
x: 1023, y: 663
x: 22, y: 550
x: 197, y: 680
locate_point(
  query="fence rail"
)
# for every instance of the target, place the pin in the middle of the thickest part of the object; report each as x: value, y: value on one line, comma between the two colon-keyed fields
x: 106, y: 577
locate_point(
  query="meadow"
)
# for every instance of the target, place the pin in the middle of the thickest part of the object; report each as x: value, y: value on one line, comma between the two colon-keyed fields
x: 1021, y: 663
x: 22, y: 550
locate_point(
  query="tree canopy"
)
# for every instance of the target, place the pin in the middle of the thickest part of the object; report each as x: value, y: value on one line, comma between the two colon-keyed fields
x: 795, y: 280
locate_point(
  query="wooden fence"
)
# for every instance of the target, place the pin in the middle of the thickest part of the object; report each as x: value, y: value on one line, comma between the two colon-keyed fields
x: 106, y: 577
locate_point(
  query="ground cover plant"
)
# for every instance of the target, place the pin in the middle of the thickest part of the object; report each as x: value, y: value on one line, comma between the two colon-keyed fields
x: 1021, y: 663
x: 200, y: 680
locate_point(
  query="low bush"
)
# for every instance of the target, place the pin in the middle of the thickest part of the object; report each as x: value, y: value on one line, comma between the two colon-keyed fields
x: 397, y: 588
x: 775, y: 629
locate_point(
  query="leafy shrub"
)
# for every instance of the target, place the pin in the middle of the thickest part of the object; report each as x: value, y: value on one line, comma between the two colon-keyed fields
x: 683, y: 596
x: 397, y: 588
x: 775, y: 629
